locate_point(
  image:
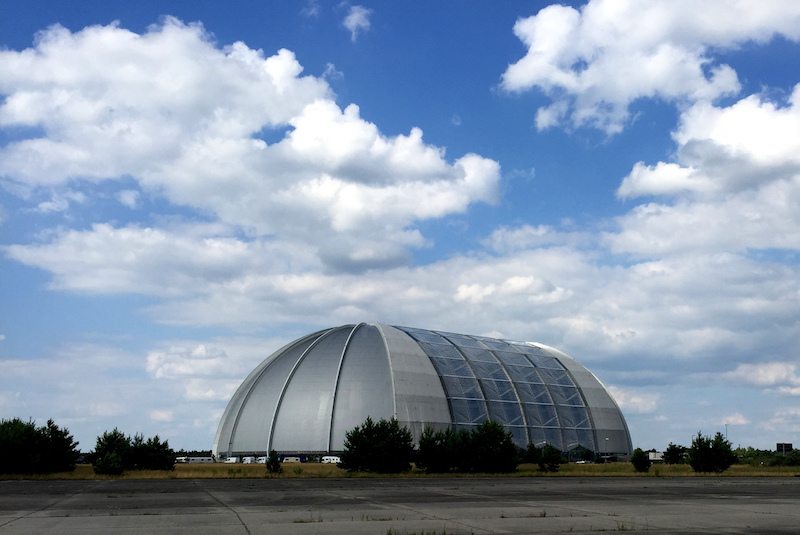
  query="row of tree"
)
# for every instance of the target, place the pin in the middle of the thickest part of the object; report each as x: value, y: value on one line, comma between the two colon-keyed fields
x: 30, y: 449
x: 383, y: 446
x: 116, y: 452
x: 706, y: 454
x: 387, y: 447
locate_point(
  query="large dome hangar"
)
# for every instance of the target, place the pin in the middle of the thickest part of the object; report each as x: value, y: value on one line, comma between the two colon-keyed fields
x: 304, y: 397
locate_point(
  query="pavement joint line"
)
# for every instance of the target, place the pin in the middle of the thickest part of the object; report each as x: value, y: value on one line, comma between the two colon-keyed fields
x: 223, y: 504
x: 50, y: 505
x: 527, y: 503
x: 426, y: 515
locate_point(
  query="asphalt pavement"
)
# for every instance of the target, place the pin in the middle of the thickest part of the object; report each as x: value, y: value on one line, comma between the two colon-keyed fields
x: 403, y: 506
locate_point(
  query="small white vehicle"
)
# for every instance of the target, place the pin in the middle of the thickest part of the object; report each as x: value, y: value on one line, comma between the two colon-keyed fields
x: 231, y: 460
x: 291, y: 460
x: 261, y: 460
x: 331, y: 459
x: 248, y: 460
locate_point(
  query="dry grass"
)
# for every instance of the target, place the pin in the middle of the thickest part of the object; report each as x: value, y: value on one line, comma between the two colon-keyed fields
x: 317, y: 470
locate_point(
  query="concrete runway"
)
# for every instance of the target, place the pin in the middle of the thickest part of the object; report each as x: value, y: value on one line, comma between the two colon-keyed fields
x: 403, y: 506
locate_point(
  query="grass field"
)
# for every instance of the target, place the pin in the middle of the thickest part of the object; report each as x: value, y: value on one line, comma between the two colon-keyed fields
x: 317, y: 470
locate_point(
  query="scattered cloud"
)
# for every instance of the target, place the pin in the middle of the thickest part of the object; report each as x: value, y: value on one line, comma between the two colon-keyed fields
x: 455, y: 120
x: 332, y: 73
x: 129, y: 198
x: 785, y: 420
x: 357, y: 21
x: 2, y: 337
x: 736, y: 418
x: 312, y: 9
x: 160, y: 415
x: 594, y: 62
x: 780, y: 376
x: 635, y: 400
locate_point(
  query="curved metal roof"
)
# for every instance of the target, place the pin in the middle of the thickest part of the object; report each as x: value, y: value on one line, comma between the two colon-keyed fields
x: 308, y: 394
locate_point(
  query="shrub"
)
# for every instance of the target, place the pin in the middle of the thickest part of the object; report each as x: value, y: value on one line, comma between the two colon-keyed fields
x: 115, y: 452
x: 382, y: 446
x: 486, y: 448
x: 675, y: 454
x: 274, y: 463
x: 710, y: 455
x: 641, y: 460
x: 27, y: 449
x: 492, y: 449
x: 550, y: 459
x: 435, y: 451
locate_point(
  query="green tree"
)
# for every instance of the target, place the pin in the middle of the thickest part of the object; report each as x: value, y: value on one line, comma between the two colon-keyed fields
x: 675, y: 454
x: 274, y: 463
x: 641, y: 460
x: 111, y: 453
x: 492, y: 449
x: 28, y: 449
x: 61, y: 450
x: 708, y: 454
x: 383, y: 446
x: 115, y: 452
x: 550, y: 459
x: 435, y: 451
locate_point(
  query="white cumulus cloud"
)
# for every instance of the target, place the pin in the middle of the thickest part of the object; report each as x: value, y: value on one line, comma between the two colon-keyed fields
x: 188, y: 121
x: 595, y: 61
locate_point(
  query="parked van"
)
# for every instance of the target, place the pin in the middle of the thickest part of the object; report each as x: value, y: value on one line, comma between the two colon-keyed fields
x: 331, y: 459
x: 291, y: 460
x: 261, y: 460
x: 248, y: 460
x: 231, y: 460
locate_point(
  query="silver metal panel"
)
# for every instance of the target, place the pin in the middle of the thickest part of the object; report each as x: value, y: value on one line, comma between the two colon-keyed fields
x: 251, y: 431
x: 419, y: 396
x: 304, y: 415
x: 223, y: 443
x: 365, y: 385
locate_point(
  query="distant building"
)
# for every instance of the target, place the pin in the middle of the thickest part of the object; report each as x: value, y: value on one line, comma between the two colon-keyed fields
x: 308, y: 394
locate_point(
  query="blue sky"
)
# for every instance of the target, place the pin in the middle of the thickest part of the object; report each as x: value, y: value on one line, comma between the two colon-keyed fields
x: 186, y: 186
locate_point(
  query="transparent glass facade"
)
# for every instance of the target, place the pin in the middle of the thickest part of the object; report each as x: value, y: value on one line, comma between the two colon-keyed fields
x: 308, y: 394
x: 523, y: 387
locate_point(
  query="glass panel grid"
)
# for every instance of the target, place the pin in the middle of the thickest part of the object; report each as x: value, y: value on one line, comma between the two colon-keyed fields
x: 468, y: 411
x: 513, y: 359
x: 456, y: 368
x: 545, y: 361
x: 462, y: 387
x: 505, y: 413
x: 498, y: 390
x: 573, y: 417
x: 533, y: 393
x: 462, y: 340
x: 478, y: 355
x: 489, y: 370
x: 494, y: 343
x: 540, y: 415
x: 524, y: 375
x: 441, y: 350
x: 555, y: 377
x: 425, y: 336
x: 566, y: 395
